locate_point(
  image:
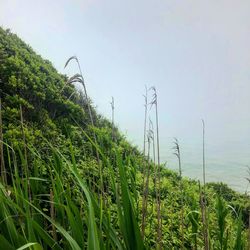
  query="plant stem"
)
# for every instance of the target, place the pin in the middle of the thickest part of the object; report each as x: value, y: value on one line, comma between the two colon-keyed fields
x: 144, y: 135
x: 113, y: 114
x: 145, y: 193
x: 159, y: 220
x: 178, y: 155
x: 204, y: 198
x: 3, y: 170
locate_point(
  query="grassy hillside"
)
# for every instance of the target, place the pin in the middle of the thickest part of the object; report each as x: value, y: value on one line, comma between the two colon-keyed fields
x: 70, y: 180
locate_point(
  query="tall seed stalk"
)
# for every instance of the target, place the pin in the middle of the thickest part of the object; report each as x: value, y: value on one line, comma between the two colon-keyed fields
x: 79, y: 78
x: 145, y: 191
x: 151, y: 129
x: 145, y: 134
x: 204, y: 198
x: 3, y: 170
x: 144, y: 162
x: 159, y: 220
x: 178, y: 155
x: 113, y: 114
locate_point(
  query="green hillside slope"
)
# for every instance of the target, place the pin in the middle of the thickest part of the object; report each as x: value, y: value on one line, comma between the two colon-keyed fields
x: 70, y: 183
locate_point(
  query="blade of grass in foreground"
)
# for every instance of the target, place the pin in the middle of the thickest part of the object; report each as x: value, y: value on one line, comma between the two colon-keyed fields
x: 64, y: 233
x: 239, y: 242
x: 5, y: 244
x: 93, y: 239
x: 129, y: 225
x: 35, y: 246
x: 222, y: 212
x: 11, y: 237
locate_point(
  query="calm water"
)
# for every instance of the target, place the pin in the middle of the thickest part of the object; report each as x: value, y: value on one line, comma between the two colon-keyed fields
x: 226, y: 164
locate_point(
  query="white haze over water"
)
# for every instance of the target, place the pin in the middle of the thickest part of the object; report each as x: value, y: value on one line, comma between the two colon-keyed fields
x: 196, y: 53
x: 221, y: 166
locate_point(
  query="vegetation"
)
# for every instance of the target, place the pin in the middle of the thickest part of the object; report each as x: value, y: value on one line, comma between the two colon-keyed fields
x: 70, y: 180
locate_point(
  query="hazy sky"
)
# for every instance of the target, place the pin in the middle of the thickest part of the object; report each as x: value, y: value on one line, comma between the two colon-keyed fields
x: 196, y: 53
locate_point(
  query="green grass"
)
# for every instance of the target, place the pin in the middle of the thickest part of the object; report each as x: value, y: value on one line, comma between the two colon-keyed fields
x: 74, y: 217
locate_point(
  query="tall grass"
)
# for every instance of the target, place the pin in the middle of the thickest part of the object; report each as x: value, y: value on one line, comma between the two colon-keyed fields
x: 145, y: 119
x: 146, y: 188
x: 56, y: 220
x: 178, y: 155
x: 112, y: 103
x: 204, y: 198
x: 79, y: 78
x: 59, y: 209
x: 222, y: 212
x: 159, y: 218
x: 145, y: 162
x: 145, y: 135
x: 3, y: 170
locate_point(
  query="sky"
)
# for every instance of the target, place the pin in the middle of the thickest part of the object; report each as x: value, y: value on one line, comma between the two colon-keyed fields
x: 196, y: 54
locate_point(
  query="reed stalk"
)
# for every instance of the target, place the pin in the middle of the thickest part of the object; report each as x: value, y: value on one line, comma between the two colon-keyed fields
x: 112, y: 103
x: 151, y: 129
x: 152, y: 135
x: 178, y: 155
x: 79, y: 78
x: 3, y: 169
x: 205, y: 217
x: 145, y: 134
x: 159, y: 219
x: 146, y: 189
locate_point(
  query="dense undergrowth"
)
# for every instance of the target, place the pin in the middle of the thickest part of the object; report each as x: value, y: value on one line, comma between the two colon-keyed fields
x: 66, y: 184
